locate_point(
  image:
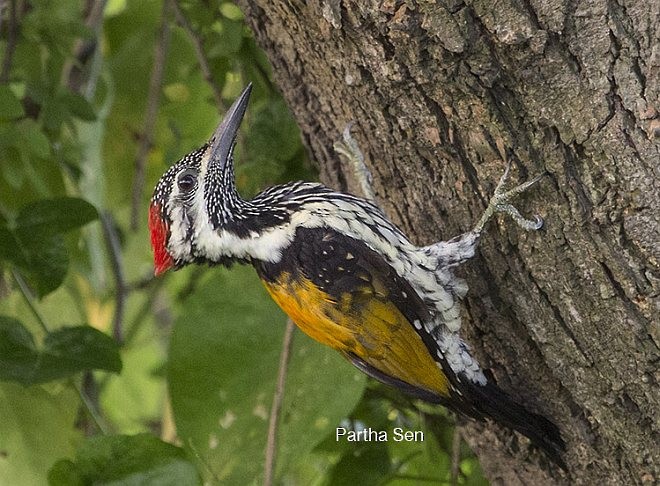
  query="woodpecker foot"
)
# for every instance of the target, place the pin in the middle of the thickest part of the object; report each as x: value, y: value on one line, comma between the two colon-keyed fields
x: 349, y: 148
x: 462, y: 247
x: 500, y: 203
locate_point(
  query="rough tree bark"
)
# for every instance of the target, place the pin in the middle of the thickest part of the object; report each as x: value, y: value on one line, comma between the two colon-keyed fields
x: 441, y: 92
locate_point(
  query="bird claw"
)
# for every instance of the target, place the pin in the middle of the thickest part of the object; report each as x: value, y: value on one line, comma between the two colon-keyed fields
x: 527, y: 224
x: 500, y: 203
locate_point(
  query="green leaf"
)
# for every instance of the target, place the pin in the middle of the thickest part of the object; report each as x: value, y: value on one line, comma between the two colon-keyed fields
x: 126, y: 460
x: 227, y: 38
x: 10, y: 106
x: 114, y: 7
x: 136, y: 397
x: 18, y: 354
x: 78, y: 106
x: 11, y: 168
x: 177, y: 92
x: 364, y: 465
x: 65, y: 472
x: 37, y: 428
x: 34, y: 242
x: 9, y: 245
x: 222, y: 366
x: 72, y: 349
x: 224, y: 356
x: 64, y: 353
x: 46, y: 262
x: 32, y: 140
x: 231, y: 11
x: 54, y: 113
x: 48, y: 217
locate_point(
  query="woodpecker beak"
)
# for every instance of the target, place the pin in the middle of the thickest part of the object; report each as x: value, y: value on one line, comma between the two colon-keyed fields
x: 225, y: 135
x: 159, y: 230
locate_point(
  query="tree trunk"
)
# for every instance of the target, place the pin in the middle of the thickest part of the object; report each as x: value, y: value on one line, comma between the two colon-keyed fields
x: 441, y: 93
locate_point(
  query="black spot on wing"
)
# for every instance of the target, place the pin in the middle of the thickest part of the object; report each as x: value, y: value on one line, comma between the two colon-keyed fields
x: 333, y: 262
x: 339, y: 264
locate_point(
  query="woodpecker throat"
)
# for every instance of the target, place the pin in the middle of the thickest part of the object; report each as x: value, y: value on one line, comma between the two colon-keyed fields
x: 344, y: 273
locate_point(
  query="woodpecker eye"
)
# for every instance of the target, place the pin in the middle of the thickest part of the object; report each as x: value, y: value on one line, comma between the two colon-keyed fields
x: 186, y: 180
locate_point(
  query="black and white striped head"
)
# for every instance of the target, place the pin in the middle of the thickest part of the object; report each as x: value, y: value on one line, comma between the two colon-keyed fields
x: 196, y: 196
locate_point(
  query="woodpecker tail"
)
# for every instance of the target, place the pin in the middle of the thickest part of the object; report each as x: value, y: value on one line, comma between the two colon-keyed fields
x: 491, y: 401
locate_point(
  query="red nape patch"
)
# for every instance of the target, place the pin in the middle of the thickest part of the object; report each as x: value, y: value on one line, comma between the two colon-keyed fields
x: 159, y: 229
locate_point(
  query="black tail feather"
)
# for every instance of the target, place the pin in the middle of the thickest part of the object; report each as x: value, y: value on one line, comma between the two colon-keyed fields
x: 491, y: 401
x: 480, y: 402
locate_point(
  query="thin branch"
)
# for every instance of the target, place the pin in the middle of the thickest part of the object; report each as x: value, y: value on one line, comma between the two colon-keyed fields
x: 143, y: 312
x: 84, y: 50
x: 198, y: 45
x: 89, y: 395
x: 153, y: 100
x: 29, y: 298
x: 114, y: 249
x: 135, y: 325
x: 94, y: 17
x: 12, y: 37
x: 271, y: 443
x: 455, y: 456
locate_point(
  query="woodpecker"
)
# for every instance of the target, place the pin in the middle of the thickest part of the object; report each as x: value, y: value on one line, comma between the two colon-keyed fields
x: 344, y: 273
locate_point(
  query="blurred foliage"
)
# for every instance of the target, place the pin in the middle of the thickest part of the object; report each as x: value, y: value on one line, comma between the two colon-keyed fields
x: 107, y: 375
x: 123, y: 459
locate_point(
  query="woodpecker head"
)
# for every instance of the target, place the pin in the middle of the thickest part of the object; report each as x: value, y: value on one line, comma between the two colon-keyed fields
x: 196, y: 196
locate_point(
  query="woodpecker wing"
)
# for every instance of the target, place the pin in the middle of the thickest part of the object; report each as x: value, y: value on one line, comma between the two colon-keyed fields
x: 345, y: 295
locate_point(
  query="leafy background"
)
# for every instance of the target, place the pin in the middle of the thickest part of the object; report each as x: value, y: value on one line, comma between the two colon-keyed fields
x: 108, y: 375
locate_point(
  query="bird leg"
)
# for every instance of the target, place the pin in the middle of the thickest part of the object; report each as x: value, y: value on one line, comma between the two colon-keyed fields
x: 349, y: 148
x: 463, y: 247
